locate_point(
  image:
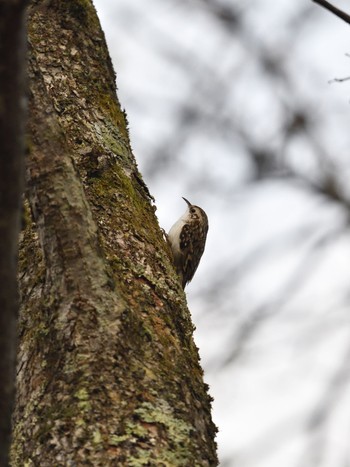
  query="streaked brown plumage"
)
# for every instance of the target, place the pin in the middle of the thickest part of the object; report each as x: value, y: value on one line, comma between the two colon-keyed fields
x: 187, y: 241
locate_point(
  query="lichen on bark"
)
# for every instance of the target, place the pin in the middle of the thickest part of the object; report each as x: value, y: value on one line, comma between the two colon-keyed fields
x: 108, y: 370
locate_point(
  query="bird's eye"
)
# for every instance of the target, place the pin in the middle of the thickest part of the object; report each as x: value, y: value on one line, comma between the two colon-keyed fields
x: 192, y: 210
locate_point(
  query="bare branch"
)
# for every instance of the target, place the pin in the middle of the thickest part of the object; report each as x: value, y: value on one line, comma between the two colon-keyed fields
x: 339, y: 80
x: 336, y: 11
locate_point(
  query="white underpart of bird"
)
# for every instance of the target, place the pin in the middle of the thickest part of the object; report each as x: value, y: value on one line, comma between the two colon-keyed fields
x: 187, y: 239
x: 175, y: 231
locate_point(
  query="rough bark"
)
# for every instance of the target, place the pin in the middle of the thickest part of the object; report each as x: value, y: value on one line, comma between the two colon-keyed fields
x: 12, y: 114
x: 108, y: 372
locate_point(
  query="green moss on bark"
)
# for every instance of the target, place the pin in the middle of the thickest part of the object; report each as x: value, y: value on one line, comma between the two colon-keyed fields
x: 107, y: 355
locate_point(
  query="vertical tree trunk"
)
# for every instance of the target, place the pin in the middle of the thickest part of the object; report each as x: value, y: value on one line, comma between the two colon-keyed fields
x: 108, y: 371
x: 12, y: 114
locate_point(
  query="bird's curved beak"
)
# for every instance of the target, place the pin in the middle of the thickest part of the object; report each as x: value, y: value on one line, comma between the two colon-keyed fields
x: 189, y: 204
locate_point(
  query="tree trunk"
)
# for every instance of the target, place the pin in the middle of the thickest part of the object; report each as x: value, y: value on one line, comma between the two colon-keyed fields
x: 108, y: 373
x: 12, y: 114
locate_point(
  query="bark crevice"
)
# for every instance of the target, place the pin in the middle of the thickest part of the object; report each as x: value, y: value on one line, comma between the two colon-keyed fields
x: 109, y: 373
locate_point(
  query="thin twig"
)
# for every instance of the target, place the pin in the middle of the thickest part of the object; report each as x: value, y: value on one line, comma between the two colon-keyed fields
x: 341, y: 14
x: 338, y: 80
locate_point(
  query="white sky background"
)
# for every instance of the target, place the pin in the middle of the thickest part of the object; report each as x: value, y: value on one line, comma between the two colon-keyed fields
x: 266, y: 400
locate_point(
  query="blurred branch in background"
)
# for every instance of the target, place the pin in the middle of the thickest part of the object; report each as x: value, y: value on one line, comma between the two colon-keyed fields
x: 341, y: 14
x: 230, y: 106
x: 317, y: 424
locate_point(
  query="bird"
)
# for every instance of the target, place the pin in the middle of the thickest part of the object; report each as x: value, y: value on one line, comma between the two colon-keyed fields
x: 187, y: 239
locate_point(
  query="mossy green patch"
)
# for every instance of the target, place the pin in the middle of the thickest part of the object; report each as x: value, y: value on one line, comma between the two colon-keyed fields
x: 97, y: 437
x: 162, y: 413
x: 116, y: 115
x: 177, y: 449
x: 81, y: 10
x: 83, y: 397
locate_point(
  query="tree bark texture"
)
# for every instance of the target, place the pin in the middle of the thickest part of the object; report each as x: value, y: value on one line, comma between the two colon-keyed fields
x: 108, y: 372
x: 12, y: 115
